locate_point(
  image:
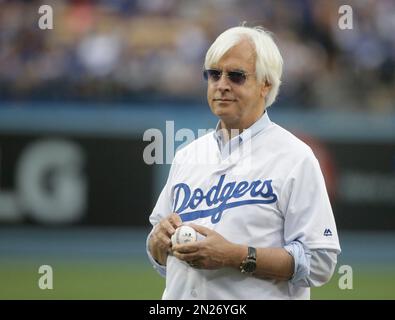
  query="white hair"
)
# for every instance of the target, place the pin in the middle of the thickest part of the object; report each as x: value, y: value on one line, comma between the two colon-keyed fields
x: 269, y: 63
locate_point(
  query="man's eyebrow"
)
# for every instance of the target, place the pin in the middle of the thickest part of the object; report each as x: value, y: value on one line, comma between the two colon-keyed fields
x: 238, y: 70
x: 227, y: 69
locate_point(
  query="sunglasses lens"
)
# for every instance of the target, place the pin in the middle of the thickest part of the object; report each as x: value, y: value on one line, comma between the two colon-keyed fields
x: 214, y: 75
x: 237, y: 77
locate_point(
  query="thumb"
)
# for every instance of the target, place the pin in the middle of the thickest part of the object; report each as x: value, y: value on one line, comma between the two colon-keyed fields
x: 202, y: 230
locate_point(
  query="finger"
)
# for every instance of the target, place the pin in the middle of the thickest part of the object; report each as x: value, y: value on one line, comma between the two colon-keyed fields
x: 175, y: 220
x: 167, y: 228
x: 202, y: 230
x: 186, y: 248
x: 164, y: 240
x: 186, y: 256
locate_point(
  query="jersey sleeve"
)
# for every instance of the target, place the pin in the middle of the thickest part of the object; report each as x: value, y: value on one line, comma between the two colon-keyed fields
x: 304, y: 201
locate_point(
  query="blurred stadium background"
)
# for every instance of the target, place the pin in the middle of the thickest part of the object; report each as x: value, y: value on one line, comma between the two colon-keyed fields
x: 75, y: 102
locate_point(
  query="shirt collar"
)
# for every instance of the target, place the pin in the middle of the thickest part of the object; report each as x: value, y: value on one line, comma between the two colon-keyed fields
x: 258, y: 126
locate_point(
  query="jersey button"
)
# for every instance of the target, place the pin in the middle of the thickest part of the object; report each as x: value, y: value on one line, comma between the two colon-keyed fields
x: 194, y: 293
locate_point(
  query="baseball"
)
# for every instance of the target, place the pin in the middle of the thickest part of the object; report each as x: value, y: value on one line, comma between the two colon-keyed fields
x: 184, y: 234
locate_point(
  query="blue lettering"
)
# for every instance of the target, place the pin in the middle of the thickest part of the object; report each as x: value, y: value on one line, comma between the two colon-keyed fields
x: 269, y: 193
x: 241, y: 189
x: 198, y: 196
x: 214, y: 190
x: 261, y: 190
x: 187, y: 192
x: 254, y: 186
x: 227, y: 195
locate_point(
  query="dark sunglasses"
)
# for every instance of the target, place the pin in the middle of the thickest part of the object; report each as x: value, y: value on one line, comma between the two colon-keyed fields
x: 236, y: 77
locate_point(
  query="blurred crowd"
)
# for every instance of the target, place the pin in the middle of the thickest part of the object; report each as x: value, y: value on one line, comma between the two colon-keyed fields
x: 153, y: 50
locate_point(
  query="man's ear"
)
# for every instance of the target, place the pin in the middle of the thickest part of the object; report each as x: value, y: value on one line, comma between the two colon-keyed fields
x: 265, y: 88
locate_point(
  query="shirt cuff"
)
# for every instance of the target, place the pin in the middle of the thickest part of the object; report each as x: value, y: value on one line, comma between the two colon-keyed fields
x: 301, y: 262
x: 311, y: 268
x: 158, y: 267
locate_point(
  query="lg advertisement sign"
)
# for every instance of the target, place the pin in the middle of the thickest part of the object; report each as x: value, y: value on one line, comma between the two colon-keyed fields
x: 50, y: 184
x: 62, y: 181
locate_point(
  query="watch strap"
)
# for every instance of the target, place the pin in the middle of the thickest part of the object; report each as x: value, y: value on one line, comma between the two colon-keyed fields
x: 248, y: 265
x: 251, y: 253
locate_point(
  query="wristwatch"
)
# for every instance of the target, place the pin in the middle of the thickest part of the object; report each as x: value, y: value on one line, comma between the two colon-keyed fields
x: 249, y: 264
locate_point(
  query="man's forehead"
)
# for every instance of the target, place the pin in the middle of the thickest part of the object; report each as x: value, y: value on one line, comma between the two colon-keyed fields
x: 242, y: 55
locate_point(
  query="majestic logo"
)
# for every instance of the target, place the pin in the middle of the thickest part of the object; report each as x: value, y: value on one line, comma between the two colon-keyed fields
x: 327, y: 233
x: 220, y: 198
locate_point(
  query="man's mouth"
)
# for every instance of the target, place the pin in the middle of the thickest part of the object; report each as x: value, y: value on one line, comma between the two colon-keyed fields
x: 224, y: 100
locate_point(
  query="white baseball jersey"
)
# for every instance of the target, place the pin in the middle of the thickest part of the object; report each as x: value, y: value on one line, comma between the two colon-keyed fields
x: 267, y: 193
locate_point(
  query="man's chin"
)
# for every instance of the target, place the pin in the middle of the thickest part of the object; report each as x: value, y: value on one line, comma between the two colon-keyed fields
x: 227, y: 117
x: 223, y: 108
x: 223, y: 113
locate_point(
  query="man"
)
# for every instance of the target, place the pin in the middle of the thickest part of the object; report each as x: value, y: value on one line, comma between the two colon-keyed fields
x: 267, y: 231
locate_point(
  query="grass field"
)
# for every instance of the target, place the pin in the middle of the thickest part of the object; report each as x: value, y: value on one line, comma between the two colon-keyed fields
x: 112, y: 264
x: 124, y: 280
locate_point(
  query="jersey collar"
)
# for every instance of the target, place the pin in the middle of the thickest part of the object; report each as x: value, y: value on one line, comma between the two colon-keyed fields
x: 258, y: 126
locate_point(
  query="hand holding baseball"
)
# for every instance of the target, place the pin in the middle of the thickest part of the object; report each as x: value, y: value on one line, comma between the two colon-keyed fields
x: 160, y: 241
x: 212, y: 252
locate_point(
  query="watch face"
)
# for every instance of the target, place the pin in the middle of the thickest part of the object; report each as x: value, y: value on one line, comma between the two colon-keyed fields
x: 249, y: 266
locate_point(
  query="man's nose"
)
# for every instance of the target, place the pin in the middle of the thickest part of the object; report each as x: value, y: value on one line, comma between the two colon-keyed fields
x: 223, y: 83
